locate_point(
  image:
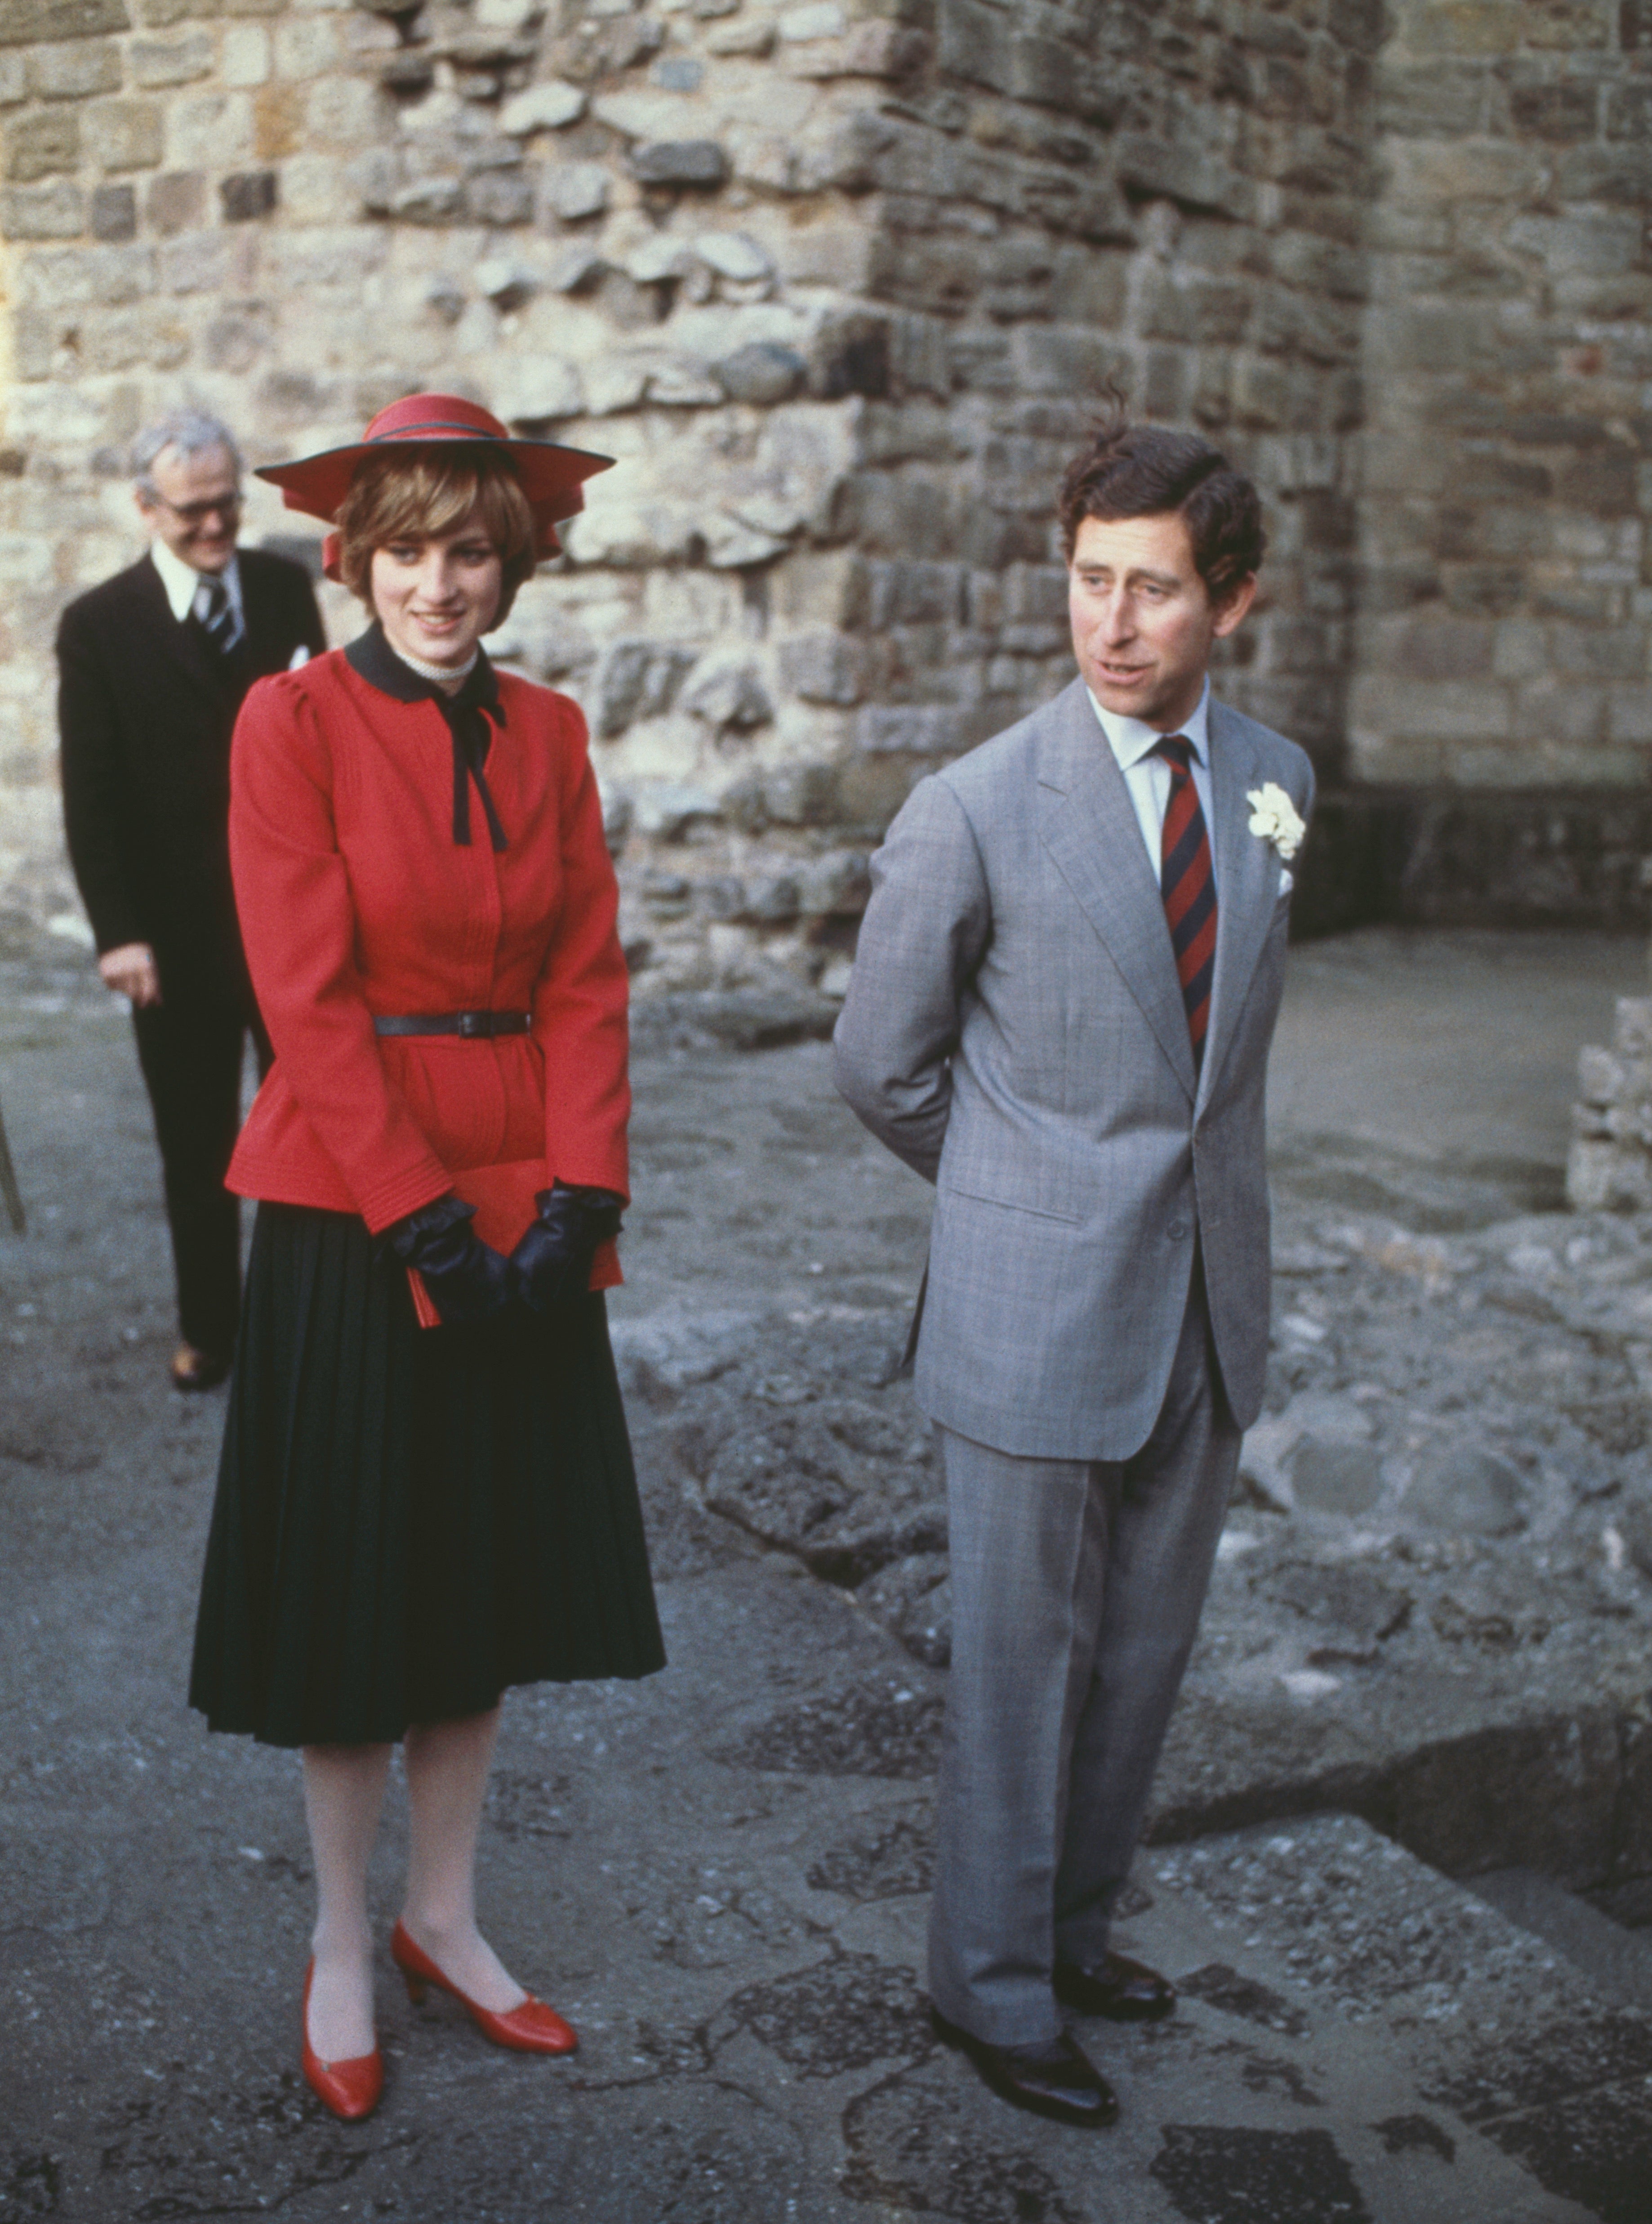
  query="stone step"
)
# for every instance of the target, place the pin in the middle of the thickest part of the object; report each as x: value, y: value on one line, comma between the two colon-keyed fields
x: 1616, y: 1962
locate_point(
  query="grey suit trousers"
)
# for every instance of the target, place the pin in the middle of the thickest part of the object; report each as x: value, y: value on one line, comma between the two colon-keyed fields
x: 1077, y: 1586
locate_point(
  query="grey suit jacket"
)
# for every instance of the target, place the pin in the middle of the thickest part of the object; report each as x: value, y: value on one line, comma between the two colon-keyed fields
x: 1014, y: 1030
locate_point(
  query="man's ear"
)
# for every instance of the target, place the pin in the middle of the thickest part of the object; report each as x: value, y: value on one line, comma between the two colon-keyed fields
x: 1234, y: 607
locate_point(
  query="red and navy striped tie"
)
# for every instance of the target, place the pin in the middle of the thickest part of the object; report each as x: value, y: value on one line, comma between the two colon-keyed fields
x: 1189, y: 888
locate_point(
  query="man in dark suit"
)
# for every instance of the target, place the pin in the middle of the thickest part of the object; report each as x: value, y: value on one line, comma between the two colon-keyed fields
x: 153, y: 666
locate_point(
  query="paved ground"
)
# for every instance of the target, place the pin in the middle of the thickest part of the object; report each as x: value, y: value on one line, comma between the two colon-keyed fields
x: 721, y: 1875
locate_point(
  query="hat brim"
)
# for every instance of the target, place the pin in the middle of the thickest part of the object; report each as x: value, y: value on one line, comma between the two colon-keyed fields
x: 553, y: 476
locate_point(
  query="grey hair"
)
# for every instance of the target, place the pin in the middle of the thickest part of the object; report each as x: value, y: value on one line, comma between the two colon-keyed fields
x: 192, y: 432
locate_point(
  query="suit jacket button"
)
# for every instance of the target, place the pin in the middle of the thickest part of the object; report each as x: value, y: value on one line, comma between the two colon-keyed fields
x: 1178, y: 1229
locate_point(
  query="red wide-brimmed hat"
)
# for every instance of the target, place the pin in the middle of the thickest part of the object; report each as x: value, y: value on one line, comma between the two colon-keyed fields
x: 553, y: 476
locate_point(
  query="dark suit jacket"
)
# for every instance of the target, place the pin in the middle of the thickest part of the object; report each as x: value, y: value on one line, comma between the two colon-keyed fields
x: 145, y: 711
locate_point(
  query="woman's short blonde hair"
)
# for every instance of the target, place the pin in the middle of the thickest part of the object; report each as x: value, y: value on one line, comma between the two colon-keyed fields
x: 398, y: 495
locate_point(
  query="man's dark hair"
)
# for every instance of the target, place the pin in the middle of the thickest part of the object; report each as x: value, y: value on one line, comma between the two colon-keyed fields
x: 1144, y: 470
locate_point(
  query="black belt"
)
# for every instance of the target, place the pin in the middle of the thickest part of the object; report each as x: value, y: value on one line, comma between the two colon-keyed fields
x: 471, y: 1023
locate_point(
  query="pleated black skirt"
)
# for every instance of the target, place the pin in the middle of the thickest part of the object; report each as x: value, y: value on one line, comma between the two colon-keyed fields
x: 410, y: 1520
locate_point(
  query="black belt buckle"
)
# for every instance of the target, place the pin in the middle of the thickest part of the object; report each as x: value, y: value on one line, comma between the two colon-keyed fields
x: 472, y: 1024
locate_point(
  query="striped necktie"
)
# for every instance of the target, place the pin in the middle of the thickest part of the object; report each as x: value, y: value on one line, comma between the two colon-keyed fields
x: 1189, y: 888
x: 219, y: 617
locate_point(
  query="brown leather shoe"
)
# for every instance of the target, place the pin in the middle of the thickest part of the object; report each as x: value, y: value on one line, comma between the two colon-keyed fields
x: 193, y: 1369
x: 1057, y: 2080
x: 1122, y: 1990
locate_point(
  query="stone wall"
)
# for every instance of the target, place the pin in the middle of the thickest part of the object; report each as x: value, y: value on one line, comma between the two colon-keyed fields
x: 841, y: 286
x: 1507, y: 571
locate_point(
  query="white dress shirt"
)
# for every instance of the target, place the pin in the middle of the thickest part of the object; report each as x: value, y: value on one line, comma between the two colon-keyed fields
x: 1148, y: 777
x: 189, y: 589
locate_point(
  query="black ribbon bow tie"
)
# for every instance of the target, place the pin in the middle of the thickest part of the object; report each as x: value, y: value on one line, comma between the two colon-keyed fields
x: 471, y: 736
x: 470, y: 716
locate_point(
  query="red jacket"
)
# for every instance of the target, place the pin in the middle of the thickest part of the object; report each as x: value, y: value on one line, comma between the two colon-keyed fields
x: 356, y: 900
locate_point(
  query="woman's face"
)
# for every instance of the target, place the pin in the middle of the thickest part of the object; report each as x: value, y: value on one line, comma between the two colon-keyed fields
x: 436, y: 594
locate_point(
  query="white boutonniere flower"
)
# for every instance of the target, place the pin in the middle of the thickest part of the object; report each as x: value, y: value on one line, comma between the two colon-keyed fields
x: 1274, y: 817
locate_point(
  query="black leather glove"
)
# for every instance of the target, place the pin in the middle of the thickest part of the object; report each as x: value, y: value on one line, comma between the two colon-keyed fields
x: 551, y: 1265
x: 468, y: 1280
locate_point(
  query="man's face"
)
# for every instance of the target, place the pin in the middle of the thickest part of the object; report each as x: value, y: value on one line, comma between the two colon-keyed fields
x: 198, y: 514
x: 1142, y: 620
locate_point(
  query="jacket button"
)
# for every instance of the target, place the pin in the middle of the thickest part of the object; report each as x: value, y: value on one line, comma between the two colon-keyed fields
x: 1178, y: 1229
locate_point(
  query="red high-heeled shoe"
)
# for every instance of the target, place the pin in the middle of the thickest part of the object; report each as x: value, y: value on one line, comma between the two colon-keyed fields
x: 532, y: 2028
x: 350, y: 2089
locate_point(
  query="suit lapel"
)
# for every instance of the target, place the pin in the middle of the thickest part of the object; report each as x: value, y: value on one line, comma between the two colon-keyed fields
x: 1088, y: 826
x: 1247, y: 884
x: 185, y: 646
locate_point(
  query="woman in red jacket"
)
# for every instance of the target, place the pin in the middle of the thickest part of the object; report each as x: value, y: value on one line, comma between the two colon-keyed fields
x: 427, y: 1493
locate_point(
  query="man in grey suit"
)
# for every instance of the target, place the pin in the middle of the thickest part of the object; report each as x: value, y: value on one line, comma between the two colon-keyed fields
x: 1061, y: 1010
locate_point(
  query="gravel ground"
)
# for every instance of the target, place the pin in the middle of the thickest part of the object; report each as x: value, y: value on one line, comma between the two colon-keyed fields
x: 1430, y: 1614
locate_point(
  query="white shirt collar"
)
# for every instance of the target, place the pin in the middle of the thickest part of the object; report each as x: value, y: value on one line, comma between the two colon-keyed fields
x: 183, y: 582
x: 1132, y: 739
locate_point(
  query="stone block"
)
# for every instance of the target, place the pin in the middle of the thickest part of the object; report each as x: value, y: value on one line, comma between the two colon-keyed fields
x: 1414, y: 101
x: 43, y: 145
x: 1436, y: 173
x: 306, y: 46
x: 1568, y: 26
x: 1606, y: 1177
x: 1065, y: 359
x: 1427, y: 710
x: 697, y: 164
x: 973, y: 41
x: 1597, y: 245
x: 342, y: 254
x: 433, y: 201
x: 1188, y: 175
x: 114, y: 212
x: 244, y: 55
x: 75, y: 71
x: 56, y: 211
x: 1632, y: 1027
x: 209, y: 129
x: 726, y: 692
x: 1562, y: 109
x: 246, y: 195
x: 124, y: 134
x: 823, y: 667
x: 551, y: 106
x: 183, y: 59
x: 14, y: 78
x: 1600, y: 483
x: 175, y: 202
x: 29, y: 22
x: 533, y: 389
x: 754, y: 38
x: 762, y: 372
x: 909, y: 729
x: 828, y: 587
x: 733, y: 255
x: 577, y: 190
x: 1619, y: 173
x: 837, y: 886
x: 1628, y: 714
x: 500, y: 197
x: 1559, y: 714
x: 1602, y: 1078
x: 1464, y: 26
x: 1599, y: 652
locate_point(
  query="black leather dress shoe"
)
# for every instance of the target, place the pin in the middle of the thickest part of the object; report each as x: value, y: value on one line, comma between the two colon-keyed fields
x: 1057, y: 2080
x: 1122, y: 1990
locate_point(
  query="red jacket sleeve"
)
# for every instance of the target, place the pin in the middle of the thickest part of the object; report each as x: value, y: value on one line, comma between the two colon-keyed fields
x: 298, y: 924
x: 580, y: 1002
